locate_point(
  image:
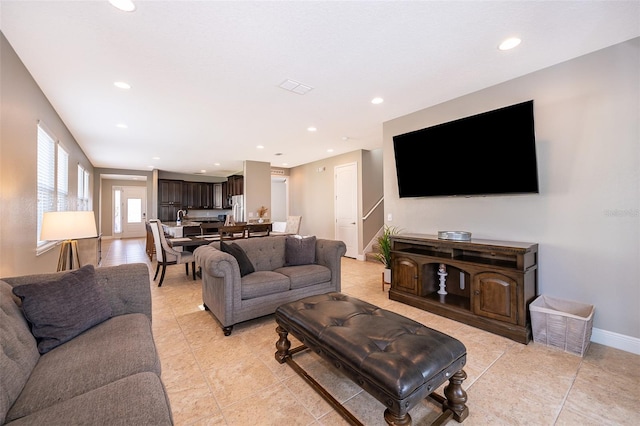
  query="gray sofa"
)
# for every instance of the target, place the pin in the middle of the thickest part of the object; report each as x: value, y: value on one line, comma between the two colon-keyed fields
x: 233, y: 298
x: 109, y: 374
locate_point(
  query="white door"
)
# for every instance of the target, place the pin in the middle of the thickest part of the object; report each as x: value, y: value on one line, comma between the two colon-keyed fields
x: 346, y: 190
x: 129, y: 211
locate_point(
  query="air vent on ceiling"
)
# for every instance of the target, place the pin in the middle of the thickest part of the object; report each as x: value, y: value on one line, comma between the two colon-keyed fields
x: 295, y: 87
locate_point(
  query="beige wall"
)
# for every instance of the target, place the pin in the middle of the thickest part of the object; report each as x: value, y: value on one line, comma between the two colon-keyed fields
x: 257, y: 188
x: 586, y: 218
x: 22, y: 104
x: 312, y: 195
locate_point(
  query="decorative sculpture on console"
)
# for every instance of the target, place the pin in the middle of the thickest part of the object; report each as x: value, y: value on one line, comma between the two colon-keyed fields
x: 442, y: 271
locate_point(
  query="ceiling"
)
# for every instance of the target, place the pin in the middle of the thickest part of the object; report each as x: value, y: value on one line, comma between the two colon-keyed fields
x: 205, y: 75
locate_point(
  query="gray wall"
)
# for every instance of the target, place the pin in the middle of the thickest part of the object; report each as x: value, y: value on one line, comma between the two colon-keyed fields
x: 21, y: 106
x: 586, y: 217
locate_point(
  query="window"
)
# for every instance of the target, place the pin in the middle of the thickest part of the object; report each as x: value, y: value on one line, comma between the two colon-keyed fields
x: 53, y: 176
x: 83, y: 188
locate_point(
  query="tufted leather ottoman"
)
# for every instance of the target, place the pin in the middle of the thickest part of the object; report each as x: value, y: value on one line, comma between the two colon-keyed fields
x: 397, y: 360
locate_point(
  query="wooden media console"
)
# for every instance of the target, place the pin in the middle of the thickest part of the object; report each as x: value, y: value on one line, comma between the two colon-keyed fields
x: 488, y: 284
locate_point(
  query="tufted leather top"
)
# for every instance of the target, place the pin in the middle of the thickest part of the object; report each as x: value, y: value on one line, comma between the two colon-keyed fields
x: 397, y: 354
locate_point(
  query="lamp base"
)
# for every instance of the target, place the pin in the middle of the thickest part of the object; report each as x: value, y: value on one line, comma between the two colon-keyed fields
x: 68, y: 252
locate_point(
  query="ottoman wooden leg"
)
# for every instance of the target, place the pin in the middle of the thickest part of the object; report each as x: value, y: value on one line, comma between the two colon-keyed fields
x: 282, y: 345
x: 394, y: 420
x: 456, y: 397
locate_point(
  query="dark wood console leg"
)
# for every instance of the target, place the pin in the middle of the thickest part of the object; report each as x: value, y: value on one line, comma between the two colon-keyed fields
x: 227, y: 330
x: 282, y: 345
x: 456, y: 397
x: 394, y: 420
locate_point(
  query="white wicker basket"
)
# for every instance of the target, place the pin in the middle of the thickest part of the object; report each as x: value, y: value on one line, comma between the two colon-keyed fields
x: 562, y: 324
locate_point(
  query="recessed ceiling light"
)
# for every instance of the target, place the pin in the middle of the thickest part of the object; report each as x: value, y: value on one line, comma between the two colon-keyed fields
x: 260, y: 147
x: 203, y: 171
x: 124, y: 5
x: 155, y: 158
x: 285, y: 164
x: 122, y: 126
x: 216, y: 164
x: 330, y: 150
x: 311, y: 129
x: 151, y: 167
x: 377, y: 101
x: 345, y: 138
x: 122, y: 85
x: 509, y: 43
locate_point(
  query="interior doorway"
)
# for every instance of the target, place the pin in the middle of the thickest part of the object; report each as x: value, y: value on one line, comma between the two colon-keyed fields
x: 346, y: 191
x: 279, y: 199
x: 129, y: 211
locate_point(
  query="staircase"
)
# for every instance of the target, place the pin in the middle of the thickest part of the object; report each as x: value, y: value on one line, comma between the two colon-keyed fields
x: 370, y: 255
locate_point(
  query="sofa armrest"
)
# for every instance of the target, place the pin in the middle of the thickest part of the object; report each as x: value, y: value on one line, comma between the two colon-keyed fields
x: 215, y: 262
x: 329, y: 253
x: 221, y: 282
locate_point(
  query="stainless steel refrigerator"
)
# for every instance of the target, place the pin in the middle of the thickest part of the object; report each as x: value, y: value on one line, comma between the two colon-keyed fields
x: 237, y: 208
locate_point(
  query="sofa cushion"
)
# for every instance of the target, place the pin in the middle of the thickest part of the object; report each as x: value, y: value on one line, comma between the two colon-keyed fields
x: 19, y: 349
x: 60, y: 310
x: 241, y: 257
x: 266, y: 253
x: 112, y: 350
x: 300, y: 250
x: 262, y: 283
x: 306, y: 275
x: 139, y: 399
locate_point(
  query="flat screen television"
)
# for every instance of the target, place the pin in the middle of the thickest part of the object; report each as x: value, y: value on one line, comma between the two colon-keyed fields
x: 490, y: 153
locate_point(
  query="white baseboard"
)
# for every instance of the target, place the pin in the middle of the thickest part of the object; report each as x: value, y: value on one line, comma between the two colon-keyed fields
x: 615, y: 340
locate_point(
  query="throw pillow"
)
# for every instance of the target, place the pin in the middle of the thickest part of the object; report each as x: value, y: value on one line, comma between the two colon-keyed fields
x: 299, y: 250
x: 246, y: 267
x: 60, y: 310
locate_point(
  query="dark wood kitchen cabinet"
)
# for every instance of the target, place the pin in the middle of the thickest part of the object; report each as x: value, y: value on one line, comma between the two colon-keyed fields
x: 235, y: 185
x: 169, y: 199
x: 488, y: 284
x: 197, y: 195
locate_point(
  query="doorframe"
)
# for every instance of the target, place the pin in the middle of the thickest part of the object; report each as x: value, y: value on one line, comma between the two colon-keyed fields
x: 354, y: 164
x: 123, y: 188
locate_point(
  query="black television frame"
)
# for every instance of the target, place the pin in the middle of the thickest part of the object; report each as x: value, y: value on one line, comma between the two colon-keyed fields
x: 490, y: 153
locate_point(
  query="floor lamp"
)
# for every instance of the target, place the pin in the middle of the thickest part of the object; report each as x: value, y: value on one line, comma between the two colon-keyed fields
x: 68, y: 227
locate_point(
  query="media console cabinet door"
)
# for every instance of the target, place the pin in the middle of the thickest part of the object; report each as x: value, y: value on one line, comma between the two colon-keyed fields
x: 495, y: 296
x: 405, y: 275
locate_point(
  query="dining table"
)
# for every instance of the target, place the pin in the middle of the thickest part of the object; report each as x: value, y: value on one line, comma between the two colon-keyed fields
x: 192, y: 241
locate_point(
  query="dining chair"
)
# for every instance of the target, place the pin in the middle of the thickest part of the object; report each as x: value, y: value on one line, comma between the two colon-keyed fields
x: 232, y: 232
x: 258, y: 230
x: 210, y: 230
x: 150, y: 245
x: 292, y: 227
x: 166, y: 255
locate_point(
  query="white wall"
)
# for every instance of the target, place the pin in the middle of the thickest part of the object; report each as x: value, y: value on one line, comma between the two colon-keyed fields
x: 586, y: 218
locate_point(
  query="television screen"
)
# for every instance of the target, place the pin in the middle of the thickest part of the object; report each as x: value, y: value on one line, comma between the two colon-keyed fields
x: 489, y: 153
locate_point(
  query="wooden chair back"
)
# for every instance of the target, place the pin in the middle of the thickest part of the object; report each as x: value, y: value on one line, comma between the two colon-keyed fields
x: 258, y: 230
x: 232, y: 232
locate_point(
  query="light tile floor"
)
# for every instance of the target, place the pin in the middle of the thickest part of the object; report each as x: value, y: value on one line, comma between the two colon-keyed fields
x: 216, y: 380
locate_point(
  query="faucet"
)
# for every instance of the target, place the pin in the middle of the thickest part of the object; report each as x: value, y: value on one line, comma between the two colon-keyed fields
x: 178, y: 215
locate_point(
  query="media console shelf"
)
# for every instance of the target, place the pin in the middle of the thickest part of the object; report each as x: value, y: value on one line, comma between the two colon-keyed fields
x: 488, y: 284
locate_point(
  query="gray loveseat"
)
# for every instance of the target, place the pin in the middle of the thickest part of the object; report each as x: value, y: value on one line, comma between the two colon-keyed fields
x: 108, y: 374
x: 233, y: 298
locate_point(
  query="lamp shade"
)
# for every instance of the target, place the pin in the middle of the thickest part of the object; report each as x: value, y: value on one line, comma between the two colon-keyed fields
x: 70, y: 225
